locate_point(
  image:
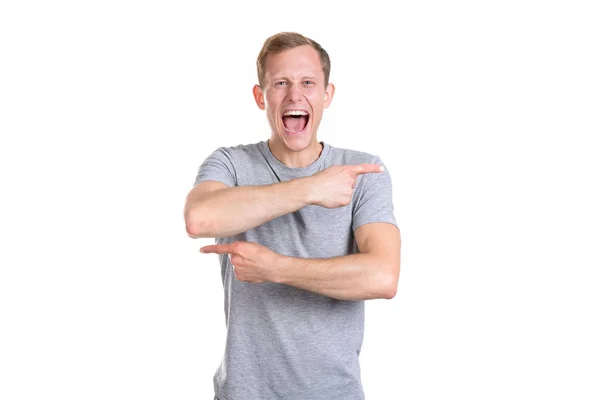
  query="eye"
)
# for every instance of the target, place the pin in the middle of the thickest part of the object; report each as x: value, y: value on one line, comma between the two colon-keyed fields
x: 308, y: 83
x: 280, y: 83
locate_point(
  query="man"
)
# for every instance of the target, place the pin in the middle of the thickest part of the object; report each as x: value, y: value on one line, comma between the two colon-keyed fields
x: 305, y: 233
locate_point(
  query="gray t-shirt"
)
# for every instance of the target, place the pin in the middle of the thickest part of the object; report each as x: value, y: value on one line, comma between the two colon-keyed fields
x: 284, y: 342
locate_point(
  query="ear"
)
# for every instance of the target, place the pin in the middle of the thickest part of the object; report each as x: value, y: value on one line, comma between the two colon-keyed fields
x: 329, y: 90
x: 259, y: 97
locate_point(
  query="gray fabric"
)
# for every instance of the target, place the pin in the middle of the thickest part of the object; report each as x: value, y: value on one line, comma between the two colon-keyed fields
x: 284, y: 342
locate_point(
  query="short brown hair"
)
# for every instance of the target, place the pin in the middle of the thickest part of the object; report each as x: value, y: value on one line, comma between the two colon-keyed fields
x: 285, y: 41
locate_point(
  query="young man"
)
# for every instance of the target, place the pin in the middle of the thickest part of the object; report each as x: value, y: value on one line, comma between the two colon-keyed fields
x: 305, y: 233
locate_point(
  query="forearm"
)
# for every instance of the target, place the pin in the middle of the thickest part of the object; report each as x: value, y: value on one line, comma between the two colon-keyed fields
x: 234, y: 210
x: 353, y: 277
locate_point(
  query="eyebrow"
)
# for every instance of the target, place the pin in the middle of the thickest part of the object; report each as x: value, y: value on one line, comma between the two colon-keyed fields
x: 279, y: 78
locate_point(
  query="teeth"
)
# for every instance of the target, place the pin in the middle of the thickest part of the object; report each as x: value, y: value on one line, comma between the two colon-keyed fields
x: 295, y: 112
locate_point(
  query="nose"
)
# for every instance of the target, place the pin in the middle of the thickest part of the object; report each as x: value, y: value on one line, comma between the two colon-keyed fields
x: 295, y: 93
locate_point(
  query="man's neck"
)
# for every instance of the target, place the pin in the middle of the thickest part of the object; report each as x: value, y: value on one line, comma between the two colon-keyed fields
x: 296, y: 159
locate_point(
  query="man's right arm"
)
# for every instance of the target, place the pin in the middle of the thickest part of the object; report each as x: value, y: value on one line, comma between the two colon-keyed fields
x: 215, y: 210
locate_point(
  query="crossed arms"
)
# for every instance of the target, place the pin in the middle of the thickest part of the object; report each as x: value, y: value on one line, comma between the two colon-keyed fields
x: 213, y: 209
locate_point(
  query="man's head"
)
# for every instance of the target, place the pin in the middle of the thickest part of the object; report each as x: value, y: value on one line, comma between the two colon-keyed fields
x: 294, y: 88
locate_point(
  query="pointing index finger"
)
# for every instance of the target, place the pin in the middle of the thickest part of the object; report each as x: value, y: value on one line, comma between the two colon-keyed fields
x: 217, y: 249
x: 367, y: 168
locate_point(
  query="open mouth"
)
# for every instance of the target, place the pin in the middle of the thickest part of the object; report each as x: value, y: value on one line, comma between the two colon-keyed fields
x: 295, y: 121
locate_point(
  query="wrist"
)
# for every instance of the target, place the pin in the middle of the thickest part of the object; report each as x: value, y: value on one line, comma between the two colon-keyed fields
x: 306, y: 189
x: 277, y: 271
x: 274, y: 269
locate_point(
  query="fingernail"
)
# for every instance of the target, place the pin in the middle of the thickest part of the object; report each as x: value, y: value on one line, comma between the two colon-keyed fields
x: 381, y: 168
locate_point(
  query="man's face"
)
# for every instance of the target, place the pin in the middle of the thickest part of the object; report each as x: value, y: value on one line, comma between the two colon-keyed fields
x: 294, y: 95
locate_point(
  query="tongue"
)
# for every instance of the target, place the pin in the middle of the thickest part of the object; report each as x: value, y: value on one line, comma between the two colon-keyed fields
x: 295, y: 124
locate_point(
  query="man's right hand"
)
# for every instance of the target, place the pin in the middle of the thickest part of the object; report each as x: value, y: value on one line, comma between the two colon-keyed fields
x: 333, y: 186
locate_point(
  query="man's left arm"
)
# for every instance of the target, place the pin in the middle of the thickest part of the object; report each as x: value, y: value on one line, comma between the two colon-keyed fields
x: 371, y: 274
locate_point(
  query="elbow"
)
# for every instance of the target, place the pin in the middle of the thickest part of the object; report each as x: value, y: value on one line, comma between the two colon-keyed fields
x: 390, y: 291
x: 193, y: 229
x: 384, y: 281
x: 390, y: 288
x: 204, y: 228
x: 196, y: 226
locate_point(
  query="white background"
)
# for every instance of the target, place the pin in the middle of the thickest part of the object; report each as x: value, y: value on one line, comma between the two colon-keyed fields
x: 485, y: 114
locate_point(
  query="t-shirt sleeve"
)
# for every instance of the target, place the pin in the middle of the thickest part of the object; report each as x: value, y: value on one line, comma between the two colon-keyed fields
x: 374, y: 199
x: 219, y: 166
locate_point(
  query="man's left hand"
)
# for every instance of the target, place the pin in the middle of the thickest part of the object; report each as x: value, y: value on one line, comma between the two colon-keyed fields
x: 252, y: 262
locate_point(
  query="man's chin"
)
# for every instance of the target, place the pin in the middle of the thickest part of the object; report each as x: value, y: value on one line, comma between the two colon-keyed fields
x: 294, y: 141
